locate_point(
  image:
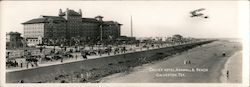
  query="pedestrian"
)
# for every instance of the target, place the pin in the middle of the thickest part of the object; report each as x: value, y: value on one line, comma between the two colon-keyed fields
x: 114, y: 51
x: 100, y: 52
x: 15, y: 64
x: 108, y: 51
x: 27, y: 65
x: 61, y: 60
x: 65, y: 48
x: 32, y: 64
x: 185, y: 62
x: 21, y: 64
x: 21, y: 81
x: 227, y: 74
x: 76, y: 56
x: 124, y: 49
x: 224, y: 54
x: 35, y: 61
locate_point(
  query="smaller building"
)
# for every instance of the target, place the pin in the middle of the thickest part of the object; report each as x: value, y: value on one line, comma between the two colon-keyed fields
x: 125, y: 39
x: 34, y: 41
x: 20, y: 53
x: 14, y: 53
x: 111, y: 30
x: 14, y: 40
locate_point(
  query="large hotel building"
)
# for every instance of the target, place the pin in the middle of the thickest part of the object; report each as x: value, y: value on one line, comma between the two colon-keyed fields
x: 69, y: 25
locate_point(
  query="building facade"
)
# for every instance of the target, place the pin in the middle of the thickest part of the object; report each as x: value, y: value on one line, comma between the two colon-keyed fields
x: 69, y: 25
x: 14, y: 40
x: 111, y: 30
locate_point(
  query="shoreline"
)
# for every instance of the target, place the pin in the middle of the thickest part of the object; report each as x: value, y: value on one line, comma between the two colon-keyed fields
x: 214, y: 73
x: 134, y: 69
x: 227, y: 65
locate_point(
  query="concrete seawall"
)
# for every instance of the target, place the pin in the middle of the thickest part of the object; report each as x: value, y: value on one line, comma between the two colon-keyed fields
x: 49, y: 72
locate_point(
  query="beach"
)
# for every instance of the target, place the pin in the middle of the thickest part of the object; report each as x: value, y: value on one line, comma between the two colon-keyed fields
x: 234, y: 76
x: 206, y: 64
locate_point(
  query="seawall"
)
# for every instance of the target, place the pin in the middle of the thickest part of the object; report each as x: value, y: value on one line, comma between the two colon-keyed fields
x: 41, y: 74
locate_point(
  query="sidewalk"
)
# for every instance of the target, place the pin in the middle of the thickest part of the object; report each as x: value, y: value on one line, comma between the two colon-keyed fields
x: 79, y: 58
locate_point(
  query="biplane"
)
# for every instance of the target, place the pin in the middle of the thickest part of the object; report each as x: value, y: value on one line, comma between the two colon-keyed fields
x: 197, y: 13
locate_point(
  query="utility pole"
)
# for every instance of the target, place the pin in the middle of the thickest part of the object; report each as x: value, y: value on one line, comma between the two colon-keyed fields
x: 53, y: 35
x: 101, y: 32
x: 131, y: 25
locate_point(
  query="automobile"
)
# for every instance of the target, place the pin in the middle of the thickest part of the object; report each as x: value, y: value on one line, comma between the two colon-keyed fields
x: 48, y: 58
x: 57, y: 57
x: 89, y: 52
x: 92, y: 52
x: 68, y: 55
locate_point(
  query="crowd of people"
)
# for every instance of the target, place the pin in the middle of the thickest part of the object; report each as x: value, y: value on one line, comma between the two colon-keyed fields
x: 77, y: 53
x: 33, y: 62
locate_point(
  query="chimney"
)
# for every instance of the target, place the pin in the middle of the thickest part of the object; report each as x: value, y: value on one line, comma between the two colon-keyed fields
x: 60, y: 12
x: 66, y: 14
x: 99, y: 18
x: 80, y: 12
x: 67, y: 11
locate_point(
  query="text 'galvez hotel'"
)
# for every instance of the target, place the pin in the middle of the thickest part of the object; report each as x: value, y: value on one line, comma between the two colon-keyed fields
x: 68, y: 25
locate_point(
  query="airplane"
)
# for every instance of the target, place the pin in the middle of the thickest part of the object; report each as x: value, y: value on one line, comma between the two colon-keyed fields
x: 196, y: 13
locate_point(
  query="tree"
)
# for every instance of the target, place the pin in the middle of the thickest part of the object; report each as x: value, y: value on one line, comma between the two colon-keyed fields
x: 177, y: 38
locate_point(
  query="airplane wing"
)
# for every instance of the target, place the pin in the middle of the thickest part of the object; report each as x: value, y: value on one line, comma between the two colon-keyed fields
x: 201, y: 9
x: 196, y: 13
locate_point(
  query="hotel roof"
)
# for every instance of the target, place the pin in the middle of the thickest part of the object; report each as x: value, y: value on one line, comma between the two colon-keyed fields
x: 90, y: 20
x: 45, y: 19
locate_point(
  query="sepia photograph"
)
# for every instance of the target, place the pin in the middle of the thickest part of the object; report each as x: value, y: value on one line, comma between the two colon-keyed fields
x: 121, y: 42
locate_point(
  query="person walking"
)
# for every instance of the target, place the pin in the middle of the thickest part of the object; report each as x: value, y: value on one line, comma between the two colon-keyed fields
x: 15, y: 64
x: 27, y: 64
x: 185, y: 61
x: 36, y: 62
x: 124, y: 49
x: 189, y: 62
x: 227, y: 74
x: 21, y: 64
x: 61, y: 60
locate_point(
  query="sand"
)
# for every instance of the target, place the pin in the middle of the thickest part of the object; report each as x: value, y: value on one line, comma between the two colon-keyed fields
x: 234, y: 76
x: 207, y: 65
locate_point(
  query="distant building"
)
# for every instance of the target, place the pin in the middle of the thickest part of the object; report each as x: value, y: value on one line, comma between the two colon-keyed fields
x: 111, y: 30
x: 69, y: 25
x: 177, y: 38
x: 125, y: 38
x: 14, y: 40
x: 43, y: 29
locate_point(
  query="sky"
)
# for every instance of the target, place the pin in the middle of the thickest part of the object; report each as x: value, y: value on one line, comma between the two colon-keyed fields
x: 150, y: 18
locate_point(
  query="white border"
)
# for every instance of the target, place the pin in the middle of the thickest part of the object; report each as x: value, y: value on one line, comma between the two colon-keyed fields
x: 244, y: 30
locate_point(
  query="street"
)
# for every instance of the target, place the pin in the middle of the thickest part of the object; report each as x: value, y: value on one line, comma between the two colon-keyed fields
x: 43, y: 63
